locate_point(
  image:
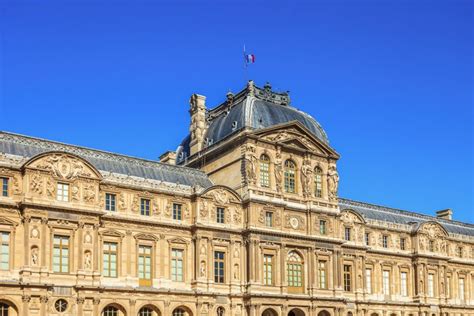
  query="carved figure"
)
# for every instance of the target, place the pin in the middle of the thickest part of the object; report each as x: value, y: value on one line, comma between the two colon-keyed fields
x: 306, y: 177
x: 278, y: 170
x: 333, y: 182
x: 87, y: 260
x: 34, y: 256
x: 202, y: 269
x: 251, y: 168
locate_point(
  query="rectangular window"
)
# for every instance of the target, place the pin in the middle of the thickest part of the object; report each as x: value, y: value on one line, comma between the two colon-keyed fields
x: 145, y: 207
x: 4, y: 186
x: 386, y: 282
x: 62, y: 192
x: 385, y: 241
x: 347, y: 278
x: 461, y: 289
x: 110, y: 202
x: 367, y: 239
x: 402, y: 243
x: 322, y: 274
x: 265, y: 173
x: 5, y: 251
x: 177, y: 265
x: 269, y: 219
x: 430, y: 285
x: 177, y: 214
x: 368, y: 280
x: 347, y: 233
x: 110, y: 259
x: 144, y: 265
x: 268, y: 269
x: 403, y: 284
x: 318, y: 184
x: 322, y: 227
x: 448, y: 287
x: 220, y: 215
x: 61, y: 254
x: 219, y: 268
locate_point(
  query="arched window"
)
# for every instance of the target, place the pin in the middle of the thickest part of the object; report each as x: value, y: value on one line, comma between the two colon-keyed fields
x: 179, y: 312
x: 294, y: 266
x: 145, y: 311
x: 4, y: 309
x: 290, y: 176
x: 318, y: 182
x: 220, y: 311
x: 110, y: 311
x: 264, y: 171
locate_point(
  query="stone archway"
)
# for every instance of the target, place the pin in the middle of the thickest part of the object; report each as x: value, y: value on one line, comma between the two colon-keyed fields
x: 269, y: 312
x: 296, y: 312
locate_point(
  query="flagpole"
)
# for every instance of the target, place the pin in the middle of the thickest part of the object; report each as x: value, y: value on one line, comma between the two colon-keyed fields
x: 245, y: 67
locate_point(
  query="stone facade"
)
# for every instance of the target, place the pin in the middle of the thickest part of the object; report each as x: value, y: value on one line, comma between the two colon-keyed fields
x: 267, y: 235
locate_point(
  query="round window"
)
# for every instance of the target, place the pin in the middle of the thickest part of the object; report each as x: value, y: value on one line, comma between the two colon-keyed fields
x: 60, y: 305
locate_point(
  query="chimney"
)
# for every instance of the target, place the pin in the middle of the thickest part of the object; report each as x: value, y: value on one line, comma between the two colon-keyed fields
x: 198, y: 124
x: 168, y: 157
x: 445, y: 214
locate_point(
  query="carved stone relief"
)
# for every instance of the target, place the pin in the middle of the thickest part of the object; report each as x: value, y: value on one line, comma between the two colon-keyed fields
x: 63, y: 166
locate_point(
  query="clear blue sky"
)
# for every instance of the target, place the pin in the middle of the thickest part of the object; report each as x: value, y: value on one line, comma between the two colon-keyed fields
x: 390, y: 81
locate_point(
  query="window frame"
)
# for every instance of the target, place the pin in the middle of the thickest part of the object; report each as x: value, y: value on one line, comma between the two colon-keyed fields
x: 404, y: 283
x: 290, y: 170
x: 5, y: 245
x: 111, y: 202
x: 107, y: 253
x: 323, y: 227
x: 347, y: 277
x: 219, y: 267
x: 368, y: 280
x: 318, y: 182
x: 385, y: 282
x: 177, y: 212
x: 143, y: 281
x: 269, y: 215
x: 264, y: 168
x: 268, y: 269
x: 5, y: 186
x: 347, y: 233
x: 323, y: 274
x: 145, y: 206
x: 220, y: 215
x: 62, y: 248
x: 60, y: 192
x: 177, y: 259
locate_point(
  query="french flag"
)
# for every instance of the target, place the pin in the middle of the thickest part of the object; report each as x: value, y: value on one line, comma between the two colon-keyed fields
x: 250, y: 58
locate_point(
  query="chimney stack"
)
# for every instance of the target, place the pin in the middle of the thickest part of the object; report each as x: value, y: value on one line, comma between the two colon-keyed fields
x: 445, y: 214
x: 198, y: 124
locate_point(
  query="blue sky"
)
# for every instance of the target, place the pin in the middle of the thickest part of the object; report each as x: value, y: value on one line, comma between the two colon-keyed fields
x: 390, y: 81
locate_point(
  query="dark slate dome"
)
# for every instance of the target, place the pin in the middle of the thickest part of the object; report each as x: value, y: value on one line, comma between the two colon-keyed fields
x: 254, y: 108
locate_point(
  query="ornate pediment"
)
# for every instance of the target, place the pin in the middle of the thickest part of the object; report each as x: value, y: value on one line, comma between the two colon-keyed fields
x: 351, y: 217
x: 221, y: 195
x: 63, y: 166
x: 294, y: 135
x: 432, y: 230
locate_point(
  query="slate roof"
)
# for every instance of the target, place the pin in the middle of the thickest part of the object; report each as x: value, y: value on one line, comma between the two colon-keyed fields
x: 254, y: 108
x: 391, y: 215
x: 27, y: 147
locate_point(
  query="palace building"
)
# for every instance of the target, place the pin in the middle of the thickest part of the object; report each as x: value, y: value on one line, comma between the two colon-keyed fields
x: 243, y: 219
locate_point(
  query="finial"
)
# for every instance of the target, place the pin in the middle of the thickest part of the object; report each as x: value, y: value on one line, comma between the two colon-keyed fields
x: 230, y: 97
x: 251, y: 87
x: 267, y: 86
